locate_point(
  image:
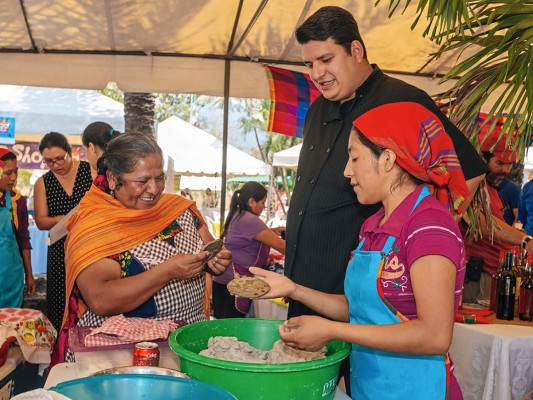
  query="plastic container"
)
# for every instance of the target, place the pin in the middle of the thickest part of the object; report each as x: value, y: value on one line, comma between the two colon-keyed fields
x: 136, y: 387
x: 292, y: 381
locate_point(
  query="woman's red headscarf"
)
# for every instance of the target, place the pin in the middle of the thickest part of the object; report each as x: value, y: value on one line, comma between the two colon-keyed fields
x: 3, y: 152
x: 422, y: 147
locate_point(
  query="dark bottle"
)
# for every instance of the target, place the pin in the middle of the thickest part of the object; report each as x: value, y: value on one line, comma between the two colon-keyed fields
x: 495, y: 281
x: 525, y: 308
x: 506, y: 290
x: 517, y: 270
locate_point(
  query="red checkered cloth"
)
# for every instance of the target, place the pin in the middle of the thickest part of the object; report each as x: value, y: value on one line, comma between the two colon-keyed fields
x: 120, y: 330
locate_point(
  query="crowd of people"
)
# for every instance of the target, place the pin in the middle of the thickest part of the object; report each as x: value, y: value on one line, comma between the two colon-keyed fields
x: 379, y: 160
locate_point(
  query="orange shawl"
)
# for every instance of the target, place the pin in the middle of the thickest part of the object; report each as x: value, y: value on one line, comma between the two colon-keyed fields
x: 102, y: 226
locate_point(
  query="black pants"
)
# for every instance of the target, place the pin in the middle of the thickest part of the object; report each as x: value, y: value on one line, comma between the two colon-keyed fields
x: 224, y: 303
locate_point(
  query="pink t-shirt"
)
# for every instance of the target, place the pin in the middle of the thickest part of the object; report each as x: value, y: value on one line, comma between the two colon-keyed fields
x: 429, y: 229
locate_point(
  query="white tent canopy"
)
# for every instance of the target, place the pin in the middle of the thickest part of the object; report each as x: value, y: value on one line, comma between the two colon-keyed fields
x: 287, y: 158
x: 197, y: 153
x: 38, y: 110
x: 181, y: 46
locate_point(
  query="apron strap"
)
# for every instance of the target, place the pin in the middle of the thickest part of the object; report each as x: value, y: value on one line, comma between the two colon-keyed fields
x: 391, y: 239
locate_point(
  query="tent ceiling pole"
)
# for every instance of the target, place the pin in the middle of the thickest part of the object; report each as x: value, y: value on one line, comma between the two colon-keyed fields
x: 227, y: 68
x: 28, y: 29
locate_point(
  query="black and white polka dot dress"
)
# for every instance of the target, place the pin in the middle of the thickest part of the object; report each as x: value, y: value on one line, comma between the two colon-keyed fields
x: 60, y: 203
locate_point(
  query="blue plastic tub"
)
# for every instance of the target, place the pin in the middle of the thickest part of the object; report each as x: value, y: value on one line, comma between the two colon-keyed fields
x: 137, y: 386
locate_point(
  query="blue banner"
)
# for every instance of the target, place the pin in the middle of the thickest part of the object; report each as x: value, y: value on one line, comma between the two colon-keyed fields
x: 7, y: 130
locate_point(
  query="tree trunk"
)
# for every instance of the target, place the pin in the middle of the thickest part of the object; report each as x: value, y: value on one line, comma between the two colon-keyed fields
x: 139, y: 113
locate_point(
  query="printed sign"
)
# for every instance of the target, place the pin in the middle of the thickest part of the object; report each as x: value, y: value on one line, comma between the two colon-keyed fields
x: 7, y: 130
x: 29, y: 157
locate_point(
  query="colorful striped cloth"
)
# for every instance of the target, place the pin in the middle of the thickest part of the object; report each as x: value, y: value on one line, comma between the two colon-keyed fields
x: 291, y: 94
x: 421, y: 145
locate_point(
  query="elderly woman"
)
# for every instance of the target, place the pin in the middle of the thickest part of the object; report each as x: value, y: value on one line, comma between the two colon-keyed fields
x: 403, y: 283
x: 132, y: 249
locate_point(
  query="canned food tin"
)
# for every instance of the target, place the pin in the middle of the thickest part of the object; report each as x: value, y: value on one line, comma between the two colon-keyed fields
x: 146, y: 353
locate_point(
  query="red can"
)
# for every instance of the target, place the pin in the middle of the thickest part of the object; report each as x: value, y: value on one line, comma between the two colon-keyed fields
x: 146, y: 353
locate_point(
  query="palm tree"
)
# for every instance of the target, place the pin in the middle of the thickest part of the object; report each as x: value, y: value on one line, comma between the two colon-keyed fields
x: 502, y: 33
x: 139, y: 112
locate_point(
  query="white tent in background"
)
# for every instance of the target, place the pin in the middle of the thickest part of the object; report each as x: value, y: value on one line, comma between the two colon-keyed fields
x: 287, y: 158
x: 197, y: 153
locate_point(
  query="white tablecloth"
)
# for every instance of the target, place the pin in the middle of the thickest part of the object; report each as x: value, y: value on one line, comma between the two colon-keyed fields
x: 493, y: 361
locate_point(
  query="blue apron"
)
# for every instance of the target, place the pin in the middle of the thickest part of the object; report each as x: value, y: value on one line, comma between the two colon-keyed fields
x: 11, y: 265
x: 376, y: 374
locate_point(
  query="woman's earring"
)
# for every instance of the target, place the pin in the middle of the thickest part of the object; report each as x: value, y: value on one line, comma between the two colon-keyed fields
x: 112, y: 192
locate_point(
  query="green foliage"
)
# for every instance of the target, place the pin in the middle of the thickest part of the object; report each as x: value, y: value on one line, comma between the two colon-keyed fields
x: 180, y: 105
x: 501, y: 33
x: 114, y: 92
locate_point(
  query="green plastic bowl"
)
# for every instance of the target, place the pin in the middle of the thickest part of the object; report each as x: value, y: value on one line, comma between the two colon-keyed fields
x: 290, y: 381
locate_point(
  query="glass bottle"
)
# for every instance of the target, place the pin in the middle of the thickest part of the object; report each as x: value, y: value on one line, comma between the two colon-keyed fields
x: 517, y: 270
x: 507, y: 290
x: 525, y: 309
x: 495, y: 281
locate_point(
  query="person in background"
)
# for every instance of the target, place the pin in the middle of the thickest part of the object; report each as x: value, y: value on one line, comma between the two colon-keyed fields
x: 525, y: 206
x: 56, y: 193
x: 187, y: 193
x: 509, y: 193
x: 15, y: 246
x: 95, y: 138
x: 324, y: 213
x: 483, y: 254
x: 403, y: 282
x: 249, y: 240
x: 209, y: 200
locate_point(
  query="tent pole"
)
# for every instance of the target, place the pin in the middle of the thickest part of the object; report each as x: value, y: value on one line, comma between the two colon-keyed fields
x: 227, y: 69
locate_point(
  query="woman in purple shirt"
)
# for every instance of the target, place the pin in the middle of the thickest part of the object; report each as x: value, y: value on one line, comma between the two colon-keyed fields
x: 249, y: 240
x: 14, y: 236
x: 403, y: 283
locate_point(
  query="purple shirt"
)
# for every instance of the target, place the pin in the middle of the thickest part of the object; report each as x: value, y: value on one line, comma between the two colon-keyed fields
x: 430, y: 229
x: 240, y: 241
x: 21, y: 233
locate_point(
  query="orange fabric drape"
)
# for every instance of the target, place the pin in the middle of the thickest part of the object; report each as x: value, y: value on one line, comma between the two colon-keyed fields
x: 102, y: 226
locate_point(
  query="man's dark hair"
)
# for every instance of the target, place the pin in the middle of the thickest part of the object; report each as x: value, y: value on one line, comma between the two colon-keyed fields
x: 331, y: 22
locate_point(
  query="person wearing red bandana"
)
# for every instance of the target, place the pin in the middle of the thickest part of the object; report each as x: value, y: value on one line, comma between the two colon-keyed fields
x: 15, y: 246
x: 403, y: 282
x: 483, y: 254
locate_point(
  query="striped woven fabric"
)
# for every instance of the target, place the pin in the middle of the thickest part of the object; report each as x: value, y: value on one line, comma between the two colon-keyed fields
x: 291, y: 94
x: 421, y: 146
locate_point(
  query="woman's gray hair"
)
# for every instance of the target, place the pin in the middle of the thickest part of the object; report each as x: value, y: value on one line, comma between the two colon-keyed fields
x: 124, y: 152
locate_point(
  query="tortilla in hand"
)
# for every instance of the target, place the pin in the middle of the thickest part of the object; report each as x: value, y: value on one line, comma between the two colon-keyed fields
x: 249, y: 287
x: 213, y: 248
